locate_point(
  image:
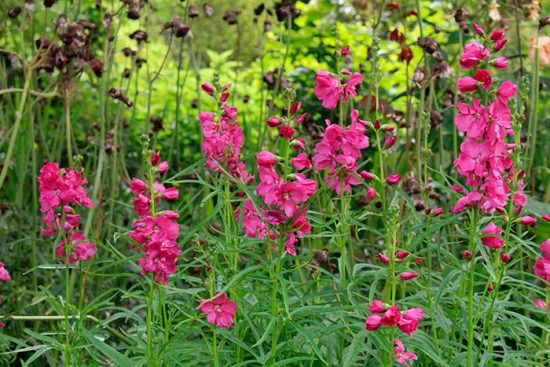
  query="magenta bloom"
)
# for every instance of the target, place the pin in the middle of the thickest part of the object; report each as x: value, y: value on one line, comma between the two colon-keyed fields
x: 383, y: 258
x: 408, y: 275
x: 301, y: 162
x: 287, y: 132
x: 492, y: 240
x: 373, y: 323
x: 266, y: 159
x: 542, y: 269
x: 474, y: 52
x: 83, y: 249
x: 528, y: 220
x: 220, y: 311
x: 471, y: 119
x: 391, y: 317
x: 411, y: 320
x: 500, y: 62
x: 402, y: 357
x: 393, y: 179
x: 467, y: 84
x: 377, y: 306
x: 4, y: 274
x: 328, y: 89
x: 545, y: 249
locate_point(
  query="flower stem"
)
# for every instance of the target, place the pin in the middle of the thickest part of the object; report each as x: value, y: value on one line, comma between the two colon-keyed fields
x: 472, y: 247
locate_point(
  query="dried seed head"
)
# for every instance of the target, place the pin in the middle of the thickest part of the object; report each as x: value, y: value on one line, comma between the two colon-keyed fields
x: 259, y: 9
x: 461, y: 15
x: 544, y: 21
x: 230, y: 17
x: 193, y: 11
x: 14, y: 12
x: 139, y: 36
x: 208, y: 10
x: 157, y: 123
x: 49, y: 3
x: 128, y: 52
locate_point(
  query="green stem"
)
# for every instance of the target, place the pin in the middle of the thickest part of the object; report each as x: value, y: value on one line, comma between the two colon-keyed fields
x: 472, y: 247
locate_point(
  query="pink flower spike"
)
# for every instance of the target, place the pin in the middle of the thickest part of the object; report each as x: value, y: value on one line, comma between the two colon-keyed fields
x: 528, y: 221
x: 479, y: 29
x: 393, y: 179
x: 408, y: 275
x: 220, y: 311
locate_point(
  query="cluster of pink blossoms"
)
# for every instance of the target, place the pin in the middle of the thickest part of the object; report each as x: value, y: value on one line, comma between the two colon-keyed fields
x: 60, y: 191
x: 390, y: 316
x: 339, y: 150
x: 330, y: 90
x: 542, y: 265
x: 219, y: 311
x: 223, y: 138
x: 485, y: 156
x: 156, y: 232
x: 283, y: 198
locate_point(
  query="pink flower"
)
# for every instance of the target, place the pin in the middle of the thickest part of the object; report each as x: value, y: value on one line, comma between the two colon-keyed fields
x: 171, y: 194
x: 437, y: 211
x: 367, y: 175
x: 327, y: 89
x: 484, y: 76
x: 411, y: 320
x: 383, y: 258
x: 220, y: 311
x: 408, y: 275
x: 4, y: 274
x: 352, y: 85
x: 82, y: 248
x: 377, y: 306
x: 371, y: 194
x: 266, y: 159
x: 208, y: 88
x: 471, y: 119
x: 479, y: 29
x: 301, y: 162
x: 373, y: 323
x: 391, y: 317
x: 474, y: 52
x: 467, y: 201
x: 500, y: 62
x: 546, y: 217
x: 541, y: 304
x: 542, y: 269
x: 507, y: 89
x: 393, y: 179
x: 492, y: 241
x: 500, y: 44
x: 273, y: 121
x: 287, y: 132
x: 402, y: 357
x: 467, y: 84
x: 528, y: 221
x: 545, y: 249
x: 345, y: 50
x: 497, y: 34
